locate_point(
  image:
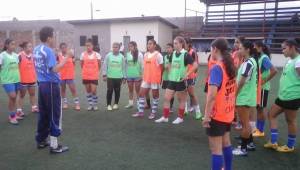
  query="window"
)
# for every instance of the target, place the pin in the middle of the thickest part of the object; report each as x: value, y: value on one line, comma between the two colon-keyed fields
x: 95, y: 39
x: 82, y: 40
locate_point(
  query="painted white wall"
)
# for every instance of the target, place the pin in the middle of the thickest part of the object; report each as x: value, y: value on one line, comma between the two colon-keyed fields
x: 138, y: 31
x: 165, y: 35
x: 278, y: 60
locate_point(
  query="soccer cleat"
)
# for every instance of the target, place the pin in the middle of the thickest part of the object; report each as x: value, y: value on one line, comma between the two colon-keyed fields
x: 162, y: 120
x: 13, y: 120
x: 239, y: 152
x: 199, y: 116
x: 138, y: 114
x: 109, y: 108
x: 270, y: 145
x: 115, y: 107
x: 42, y: 145
x: 95, y: 108
x: 151, y: 116
x: 285, y: 149
x: 258, y: 133
x: 177, y: 121
x: 90, y: 108
x: 77, y: 107
x: 129, y: 106
x: 65, y: 106
x: 59, y: 149
x: 250, y: 147
x: 20, y: 115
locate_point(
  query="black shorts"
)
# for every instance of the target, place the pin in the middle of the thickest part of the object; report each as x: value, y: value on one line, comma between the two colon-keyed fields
x: 190, y: 82
x: 164, y: 84
x: 288, y: 104
x: 264, y: 99
x: 95, y: 82
x: 176, y: 86
x: 217, y: 128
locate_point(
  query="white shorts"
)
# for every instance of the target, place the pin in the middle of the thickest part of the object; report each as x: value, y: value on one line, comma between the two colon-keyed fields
x: 153, y: 86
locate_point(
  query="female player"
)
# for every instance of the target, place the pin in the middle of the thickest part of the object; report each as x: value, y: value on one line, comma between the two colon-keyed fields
x: 266, y: 72
x: 219, y: 111
x: 90, y: 64
x: 67, y: 75
x: 288, y: 100
x: 134, y: 71
x: 246, y: 96
x: 153, y: 64
x: 10, y: 78
x: 27, y: 77
x: 113, y: 74
x: 178, y: 73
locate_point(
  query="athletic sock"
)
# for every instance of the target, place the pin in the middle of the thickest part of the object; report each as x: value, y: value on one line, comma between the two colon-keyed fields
x: 197, y: 108
x: 12, y: 114
x: 274, y: 135
x: 186, y: 109
x: 53, y: 142
x: 19, y: 110
x: 291, y: 141
x: 253, y: 126
x: 130, y: 102
x: 216, y: 162
x: 76, y: 100
x: 227, y: 153
x: 181, y: 113
x: 65, y: 100
x: 141, y: 105
x: 89, y: 98
x: 95, y: 99
x: 166, y: 112
x: 154, y: 106
x: 260, y: 124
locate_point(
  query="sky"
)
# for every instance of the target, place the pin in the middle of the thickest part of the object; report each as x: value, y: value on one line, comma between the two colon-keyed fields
x: 80, y: 9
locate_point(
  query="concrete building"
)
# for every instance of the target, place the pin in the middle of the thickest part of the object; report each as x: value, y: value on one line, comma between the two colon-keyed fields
x: 107, y: 31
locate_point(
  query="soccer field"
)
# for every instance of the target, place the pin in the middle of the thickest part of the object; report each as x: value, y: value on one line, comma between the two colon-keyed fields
x: 114, y: 140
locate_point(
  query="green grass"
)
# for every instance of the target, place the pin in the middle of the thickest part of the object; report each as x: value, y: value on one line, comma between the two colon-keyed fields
x: 114, y: 140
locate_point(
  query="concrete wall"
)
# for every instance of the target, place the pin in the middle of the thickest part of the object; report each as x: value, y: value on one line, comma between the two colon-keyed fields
x: 103, y: 32
x: 165, y: 35
x: 29, y: 31
x: 137, y: 31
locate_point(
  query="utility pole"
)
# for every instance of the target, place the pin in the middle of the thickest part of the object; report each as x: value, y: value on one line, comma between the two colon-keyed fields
x: 92, y: 11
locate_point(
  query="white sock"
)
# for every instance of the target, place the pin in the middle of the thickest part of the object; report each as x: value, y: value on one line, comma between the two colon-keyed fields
x: 130, y: 102
x: 19, y: 110
x: 197, y: 109
x: 252, y: 125
x: 53, y: 142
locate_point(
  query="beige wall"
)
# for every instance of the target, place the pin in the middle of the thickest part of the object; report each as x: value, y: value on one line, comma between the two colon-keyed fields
x: 165, y: 35
x: 137, y: 31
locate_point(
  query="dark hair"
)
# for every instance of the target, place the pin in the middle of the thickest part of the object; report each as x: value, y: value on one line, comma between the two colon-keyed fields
x: 241, y: 38
x: 62, y: 44
x: 153, y: 41
x: 135, y: 52
x: 170, y: 45
x: 188, y: 42
x: 264, y: 47
x: 45, y: 33
x: 6, y: 44
x: 24, y: 44
x: 89, y: 40
x: 249, y: 45
x: 222, y: 45
x: 293, y: 43
x: 158, y: 48
x: 181, y: 40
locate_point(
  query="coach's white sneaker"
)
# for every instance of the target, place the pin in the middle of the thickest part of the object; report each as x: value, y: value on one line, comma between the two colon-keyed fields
x: 89, y: 108
x: 162, y: 120
x: 95, y: 108
x: 109, y: 108
x: 115, y: 106
x: 177, y: 121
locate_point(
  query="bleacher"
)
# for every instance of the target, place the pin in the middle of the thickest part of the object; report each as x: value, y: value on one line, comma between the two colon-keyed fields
x: 271, y: 24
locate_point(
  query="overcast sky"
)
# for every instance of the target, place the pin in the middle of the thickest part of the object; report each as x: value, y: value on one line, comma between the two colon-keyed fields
x: 80, y: 9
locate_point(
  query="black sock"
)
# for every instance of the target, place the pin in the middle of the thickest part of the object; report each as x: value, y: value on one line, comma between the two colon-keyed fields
x: 250, y: 139
x: 244, y: 143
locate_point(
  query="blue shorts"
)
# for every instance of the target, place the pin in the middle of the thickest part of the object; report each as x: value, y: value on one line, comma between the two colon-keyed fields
x: 135, y: 79
x: 68, y: 81
x: 10, y: 88
x: 190, y: 82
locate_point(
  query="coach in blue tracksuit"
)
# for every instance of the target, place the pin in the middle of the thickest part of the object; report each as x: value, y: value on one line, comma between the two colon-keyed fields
x: 49, y: 99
